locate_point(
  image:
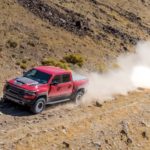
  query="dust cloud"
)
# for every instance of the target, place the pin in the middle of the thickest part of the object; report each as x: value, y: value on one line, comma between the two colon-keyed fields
x: 133, y: 72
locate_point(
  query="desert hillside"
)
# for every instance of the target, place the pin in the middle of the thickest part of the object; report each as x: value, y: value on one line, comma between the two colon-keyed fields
x: 95, y: 32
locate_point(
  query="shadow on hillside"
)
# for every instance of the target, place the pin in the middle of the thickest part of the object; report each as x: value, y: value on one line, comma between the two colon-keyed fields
x: 13, y: 109
x: 10, y: 108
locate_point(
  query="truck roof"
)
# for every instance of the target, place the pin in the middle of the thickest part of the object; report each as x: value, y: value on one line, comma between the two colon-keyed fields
x: 51, y: 69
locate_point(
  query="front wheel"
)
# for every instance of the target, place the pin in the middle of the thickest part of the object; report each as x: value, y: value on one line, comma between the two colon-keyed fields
x: 78, y: 97
x: 39, y: 106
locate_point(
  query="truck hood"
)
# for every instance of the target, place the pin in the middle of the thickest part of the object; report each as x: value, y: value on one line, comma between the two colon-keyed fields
x: 25, y: 81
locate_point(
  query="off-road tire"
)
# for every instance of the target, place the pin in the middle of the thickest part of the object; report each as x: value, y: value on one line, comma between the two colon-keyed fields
x: 78, y: 97
x: 38, y: 106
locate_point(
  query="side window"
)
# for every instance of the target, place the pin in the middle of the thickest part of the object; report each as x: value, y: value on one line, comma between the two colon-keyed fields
x: 57, y: 79
x: 66, y: 78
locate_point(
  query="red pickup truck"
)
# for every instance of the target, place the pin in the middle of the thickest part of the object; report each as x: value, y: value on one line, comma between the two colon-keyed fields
x: 45, y: 85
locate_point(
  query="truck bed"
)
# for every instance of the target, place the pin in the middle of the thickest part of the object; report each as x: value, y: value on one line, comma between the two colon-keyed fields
x: 77, y: 77
x: 80, y: 81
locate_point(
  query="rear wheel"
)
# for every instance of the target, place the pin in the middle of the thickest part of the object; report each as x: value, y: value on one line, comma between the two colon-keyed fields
x: 39, y: 106
x: 78, y: 97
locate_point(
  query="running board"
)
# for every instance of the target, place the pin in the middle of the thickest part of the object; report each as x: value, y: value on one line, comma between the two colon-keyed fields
x: 55, y: 102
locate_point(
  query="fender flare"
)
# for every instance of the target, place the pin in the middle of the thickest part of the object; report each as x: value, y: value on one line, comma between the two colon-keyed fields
x: 44, y: 94
x: 77, y: 90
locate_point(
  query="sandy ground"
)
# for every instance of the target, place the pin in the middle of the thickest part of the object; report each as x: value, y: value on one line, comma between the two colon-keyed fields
x: 121, y: 124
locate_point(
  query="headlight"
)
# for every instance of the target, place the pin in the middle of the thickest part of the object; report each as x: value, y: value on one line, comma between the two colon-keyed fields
x: 31, y: 93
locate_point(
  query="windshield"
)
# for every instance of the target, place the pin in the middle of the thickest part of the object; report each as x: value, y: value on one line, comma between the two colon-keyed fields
x: 38, y: 76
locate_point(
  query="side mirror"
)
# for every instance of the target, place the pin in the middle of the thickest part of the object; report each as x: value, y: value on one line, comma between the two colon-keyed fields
x: 54, y: 83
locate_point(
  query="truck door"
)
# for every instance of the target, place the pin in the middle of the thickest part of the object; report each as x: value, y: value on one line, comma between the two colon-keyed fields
x: 67, y: 85
x: 61, y: 87
x: 55, y: 89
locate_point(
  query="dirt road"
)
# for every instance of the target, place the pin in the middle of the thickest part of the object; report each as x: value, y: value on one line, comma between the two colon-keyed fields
x: 123, y: 123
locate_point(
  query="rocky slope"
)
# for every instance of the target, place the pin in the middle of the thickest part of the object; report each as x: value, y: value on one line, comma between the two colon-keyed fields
x: 97, y: 30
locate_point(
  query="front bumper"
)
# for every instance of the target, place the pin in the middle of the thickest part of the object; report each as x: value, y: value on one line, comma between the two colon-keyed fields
x: 17, y: 99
